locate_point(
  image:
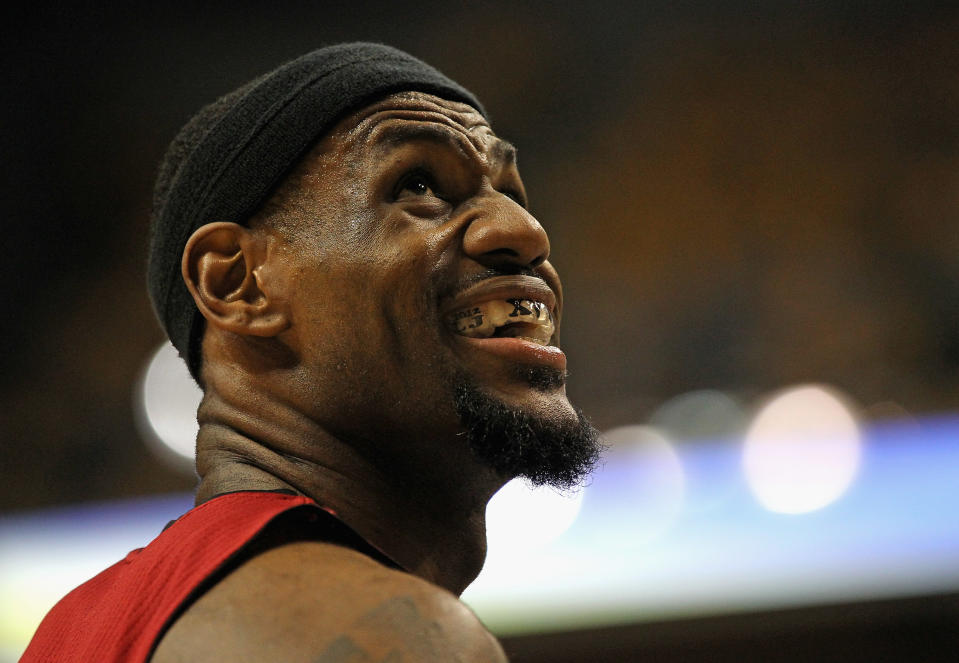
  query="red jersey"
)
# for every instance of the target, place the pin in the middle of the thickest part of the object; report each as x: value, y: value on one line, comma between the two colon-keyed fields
x: 121, y: 614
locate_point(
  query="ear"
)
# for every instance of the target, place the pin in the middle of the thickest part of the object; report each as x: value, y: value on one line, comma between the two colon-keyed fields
x: 223, y: 269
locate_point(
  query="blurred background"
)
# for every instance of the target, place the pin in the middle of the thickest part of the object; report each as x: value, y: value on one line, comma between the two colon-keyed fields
x: 755, y: 210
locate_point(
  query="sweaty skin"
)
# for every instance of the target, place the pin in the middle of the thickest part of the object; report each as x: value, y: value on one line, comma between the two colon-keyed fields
x: 329, y: 364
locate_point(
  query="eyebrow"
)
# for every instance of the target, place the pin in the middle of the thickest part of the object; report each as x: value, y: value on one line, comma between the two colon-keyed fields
x: 392, y: 134
x: 505, y: 151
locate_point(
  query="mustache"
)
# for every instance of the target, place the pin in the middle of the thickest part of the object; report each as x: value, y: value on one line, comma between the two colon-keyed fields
x: 470, y: 280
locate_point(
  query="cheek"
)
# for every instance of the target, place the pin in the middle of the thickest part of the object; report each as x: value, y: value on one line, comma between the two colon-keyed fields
x: 376, y: 303
x: 354, y: 316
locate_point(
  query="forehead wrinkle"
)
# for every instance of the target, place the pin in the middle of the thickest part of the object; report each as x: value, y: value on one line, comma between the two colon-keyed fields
x: 465, y: 122
x: 438, y: 120
x: 417, y: 109
x: 390, y: 133
x: 456, y: 114
x: 397, y: 129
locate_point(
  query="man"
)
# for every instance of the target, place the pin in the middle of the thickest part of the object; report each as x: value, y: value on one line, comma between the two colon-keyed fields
x: 343, y: 254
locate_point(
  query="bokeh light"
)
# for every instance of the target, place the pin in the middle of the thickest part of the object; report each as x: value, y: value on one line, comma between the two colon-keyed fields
x: 520, y: 516
x: 638, y: 493
x: 802, y: 450
x: 702, y: 414
x: 165, y: 403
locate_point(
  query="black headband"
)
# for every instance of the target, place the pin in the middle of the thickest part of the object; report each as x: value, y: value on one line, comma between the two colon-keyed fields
x: 225, y: 163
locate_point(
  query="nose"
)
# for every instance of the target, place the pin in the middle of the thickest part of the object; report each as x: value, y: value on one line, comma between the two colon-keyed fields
x: 503, y: 235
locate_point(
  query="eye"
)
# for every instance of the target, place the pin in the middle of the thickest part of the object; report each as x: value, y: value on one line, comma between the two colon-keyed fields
x: 417, y: 183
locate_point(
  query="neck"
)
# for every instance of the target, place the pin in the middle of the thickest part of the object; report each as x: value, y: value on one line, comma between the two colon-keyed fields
x: 430, y: 523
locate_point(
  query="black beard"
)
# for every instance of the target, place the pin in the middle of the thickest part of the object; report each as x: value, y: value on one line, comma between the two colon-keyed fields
x: 516, y: 443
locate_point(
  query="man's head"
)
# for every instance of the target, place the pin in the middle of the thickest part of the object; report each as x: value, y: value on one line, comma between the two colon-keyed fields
x: 392, y: 286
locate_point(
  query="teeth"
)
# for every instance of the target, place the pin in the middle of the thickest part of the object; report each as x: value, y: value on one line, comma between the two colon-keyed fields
x: 481, y: 321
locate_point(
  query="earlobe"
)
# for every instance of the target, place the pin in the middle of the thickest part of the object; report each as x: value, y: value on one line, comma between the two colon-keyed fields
x: 223, y: 269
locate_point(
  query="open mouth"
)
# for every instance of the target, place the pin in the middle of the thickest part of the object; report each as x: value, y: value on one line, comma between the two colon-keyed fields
x: 526, y: 319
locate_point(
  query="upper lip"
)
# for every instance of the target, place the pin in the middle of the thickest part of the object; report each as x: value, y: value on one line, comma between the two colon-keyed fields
x: 503, y: 287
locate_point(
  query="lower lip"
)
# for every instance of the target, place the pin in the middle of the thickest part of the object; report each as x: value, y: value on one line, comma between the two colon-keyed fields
x: 520, y: 351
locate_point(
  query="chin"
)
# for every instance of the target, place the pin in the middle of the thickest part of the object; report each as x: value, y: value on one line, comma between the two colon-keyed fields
x: 536, y: 433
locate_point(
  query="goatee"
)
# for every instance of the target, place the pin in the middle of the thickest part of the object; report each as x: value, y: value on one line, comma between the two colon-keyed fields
x: 516, y: 443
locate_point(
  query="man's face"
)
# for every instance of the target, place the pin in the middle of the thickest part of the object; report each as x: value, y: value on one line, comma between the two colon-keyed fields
x: 415, y: 273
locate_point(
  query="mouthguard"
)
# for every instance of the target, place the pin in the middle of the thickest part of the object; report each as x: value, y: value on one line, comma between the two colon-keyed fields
x: 523, y: 318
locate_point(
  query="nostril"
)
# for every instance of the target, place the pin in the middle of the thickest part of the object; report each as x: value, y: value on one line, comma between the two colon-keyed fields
x: 511, y: 260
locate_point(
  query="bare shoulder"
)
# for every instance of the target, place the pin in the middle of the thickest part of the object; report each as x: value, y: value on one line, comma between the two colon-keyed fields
x: 322, y: 603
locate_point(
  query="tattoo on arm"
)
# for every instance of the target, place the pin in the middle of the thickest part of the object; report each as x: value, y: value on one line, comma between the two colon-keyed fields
x: 399, y: 630
x: 345, y: 650
x: 374, y: 640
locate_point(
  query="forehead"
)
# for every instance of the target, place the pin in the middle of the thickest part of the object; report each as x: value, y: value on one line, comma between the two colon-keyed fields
x: 412, y: 116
